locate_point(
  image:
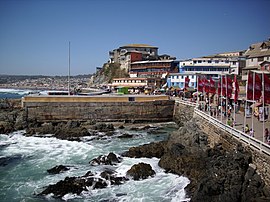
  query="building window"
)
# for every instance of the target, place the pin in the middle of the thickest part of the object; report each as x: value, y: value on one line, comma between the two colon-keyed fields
x: 209, y: 61
x: 199, y: 61
x: 192, y: 76
x: 216, y: 61
x: 182, y: 77
x: 234, y: 63
x: 260, y: 59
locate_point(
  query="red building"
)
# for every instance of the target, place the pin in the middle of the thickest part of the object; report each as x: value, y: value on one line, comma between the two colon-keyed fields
x: 156, y: 68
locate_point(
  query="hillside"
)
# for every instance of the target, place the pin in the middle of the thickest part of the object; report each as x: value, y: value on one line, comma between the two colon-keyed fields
x: 108, y: 72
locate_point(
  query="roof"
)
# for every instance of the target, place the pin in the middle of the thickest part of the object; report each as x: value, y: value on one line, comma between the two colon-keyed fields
x: 151, y: 61
x: 138, y: 46
x: 251, y: 68
x: 258, y: 50
x: 136, y: 78
x: 264, y: 62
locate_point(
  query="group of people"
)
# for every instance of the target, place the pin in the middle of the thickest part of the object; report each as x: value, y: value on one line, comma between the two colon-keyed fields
x: 251, y: 133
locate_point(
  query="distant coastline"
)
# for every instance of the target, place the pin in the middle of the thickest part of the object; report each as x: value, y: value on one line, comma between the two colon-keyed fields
x: 31, y: 88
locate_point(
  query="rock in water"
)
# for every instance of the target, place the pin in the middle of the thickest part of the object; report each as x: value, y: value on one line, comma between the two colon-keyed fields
x: 111, y: 159
x: 74, y: 185
x: 148, y: 150
x: 58, y: 169
x: 141, y: 171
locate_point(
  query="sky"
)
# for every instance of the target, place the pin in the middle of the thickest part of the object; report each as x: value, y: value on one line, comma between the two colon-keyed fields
x: 35, y: 34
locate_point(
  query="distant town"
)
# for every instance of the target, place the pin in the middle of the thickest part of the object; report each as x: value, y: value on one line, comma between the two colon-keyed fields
x: 43, y: 82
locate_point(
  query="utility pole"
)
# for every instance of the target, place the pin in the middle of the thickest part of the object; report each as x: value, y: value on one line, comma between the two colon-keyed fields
x: 69, y: 68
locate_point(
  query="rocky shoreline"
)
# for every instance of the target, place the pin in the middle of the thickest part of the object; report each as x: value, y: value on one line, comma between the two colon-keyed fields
x: 215, y: 174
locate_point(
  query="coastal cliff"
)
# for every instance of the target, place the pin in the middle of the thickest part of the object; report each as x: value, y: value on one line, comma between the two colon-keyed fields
x: 216, y: 174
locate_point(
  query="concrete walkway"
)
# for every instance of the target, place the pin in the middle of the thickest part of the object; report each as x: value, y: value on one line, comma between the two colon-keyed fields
x: 239, y: 124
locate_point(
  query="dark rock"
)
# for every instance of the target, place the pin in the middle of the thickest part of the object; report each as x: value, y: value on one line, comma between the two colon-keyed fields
x: 74, y: 185
x: 126, y: 135
x: 88, y: 174
x: 58, y: 169
x: 110, y: 175
x: 147, y: 150
x: 111, y: 159
x: 67, y: 131
x: 121, y: 127
x: 6, y: 127
x: 141, y: 171
x: 103, y: 127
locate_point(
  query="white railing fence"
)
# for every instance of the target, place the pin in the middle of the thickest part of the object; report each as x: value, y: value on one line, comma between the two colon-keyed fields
x: 241, y: 136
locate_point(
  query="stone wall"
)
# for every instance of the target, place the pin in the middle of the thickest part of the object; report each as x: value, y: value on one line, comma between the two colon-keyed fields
x: 157, y: 110
x: 182, y: 113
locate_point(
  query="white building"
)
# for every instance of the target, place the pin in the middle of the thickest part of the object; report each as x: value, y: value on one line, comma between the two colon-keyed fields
x: 178, y: 80
x: 209, y: 66
x: 212, y: 65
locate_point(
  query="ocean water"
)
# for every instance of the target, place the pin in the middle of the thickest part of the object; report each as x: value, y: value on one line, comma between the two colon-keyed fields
x: 24, y: 161
x: 13, y: 93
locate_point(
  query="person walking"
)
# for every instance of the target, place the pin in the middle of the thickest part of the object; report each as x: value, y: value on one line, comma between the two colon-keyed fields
x: 246, y: 128
x: 251, y: 132
x: 266, y: 135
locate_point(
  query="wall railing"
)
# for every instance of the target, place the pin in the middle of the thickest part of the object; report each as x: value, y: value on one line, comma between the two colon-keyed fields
x: 241, y: 136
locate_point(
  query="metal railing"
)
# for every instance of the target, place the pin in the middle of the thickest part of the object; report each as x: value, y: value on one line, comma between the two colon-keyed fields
x: 241, y: 136
x: 185, y: 102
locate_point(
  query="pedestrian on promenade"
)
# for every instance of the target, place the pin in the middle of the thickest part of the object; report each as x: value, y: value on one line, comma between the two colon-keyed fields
x: 229, y: 122
x: 233, y: 122
x: 246, y: 128
x: 251, y: 132
x: 266, y: 135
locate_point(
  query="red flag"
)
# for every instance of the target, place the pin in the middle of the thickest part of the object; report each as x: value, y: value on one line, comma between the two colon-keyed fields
x: 258, y: 87
x: 186, y: 82
x: 250, y: 86
x: 229, y: 87
x: 236, y: 89
x: 206, y: 85
x: 219, y: 88
x: 212, y: 88
x: 223, y: 86
x: 200, y: 84
x: 266, y: 89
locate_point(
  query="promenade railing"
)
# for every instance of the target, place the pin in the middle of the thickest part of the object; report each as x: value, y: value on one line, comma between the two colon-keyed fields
x: 241, y: 136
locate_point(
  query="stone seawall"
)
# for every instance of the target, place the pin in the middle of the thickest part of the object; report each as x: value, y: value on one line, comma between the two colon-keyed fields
x: 122, y: 108
x: 229, y: 143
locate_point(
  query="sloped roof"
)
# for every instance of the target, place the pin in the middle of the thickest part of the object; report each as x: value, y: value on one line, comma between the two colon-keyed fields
x: 256, y: 50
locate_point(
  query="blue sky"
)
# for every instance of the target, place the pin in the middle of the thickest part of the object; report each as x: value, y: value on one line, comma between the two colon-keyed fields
x: 34, y: 34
